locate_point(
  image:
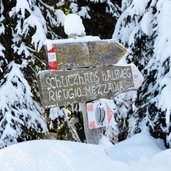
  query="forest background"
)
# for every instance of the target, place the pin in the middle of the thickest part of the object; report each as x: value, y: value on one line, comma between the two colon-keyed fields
x: 141, y: 26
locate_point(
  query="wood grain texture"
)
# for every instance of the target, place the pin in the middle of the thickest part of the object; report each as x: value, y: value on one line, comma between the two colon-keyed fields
x: 86, y: 54
x: 59, y: 88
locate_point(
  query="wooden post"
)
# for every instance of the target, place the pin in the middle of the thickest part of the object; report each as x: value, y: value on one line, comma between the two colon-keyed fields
x: 92, y: 135
x: 58, y: 88
x: 83, y: 85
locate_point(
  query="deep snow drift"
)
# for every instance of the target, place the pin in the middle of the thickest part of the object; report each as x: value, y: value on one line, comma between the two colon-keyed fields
x: 138, y: 153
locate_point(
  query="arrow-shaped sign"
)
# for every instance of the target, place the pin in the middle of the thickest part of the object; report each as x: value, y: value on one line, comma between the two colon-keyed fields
x: 85, y: 53
x: 81, y: 85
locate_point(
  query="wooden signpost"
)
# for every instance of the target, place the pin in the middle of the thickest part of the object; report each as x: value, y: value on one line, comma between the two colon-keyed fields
x: 58, y: 88
x: 85, y: 54
x: 83, y: 71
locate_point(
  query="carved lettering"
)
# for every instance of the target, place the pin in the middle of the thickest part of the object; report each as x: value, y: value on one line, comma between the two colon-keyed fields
x: 85, y: 84
x: 78, y: 54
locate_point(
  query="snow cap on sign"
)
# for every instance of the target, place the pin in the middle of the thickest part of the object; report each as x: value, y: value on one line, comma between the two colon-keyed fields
x: 73, y: 26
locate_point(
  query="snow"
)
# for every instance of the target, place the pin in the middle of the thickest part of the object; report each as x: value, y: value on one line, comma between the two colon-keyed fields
x: 84, y: 12
x: 39, y: 36
x: 73, y: 25
x: 11, y: 97
x: 140, y: 152
x: 136, y: 8
x: 74, y: 7
x: 162, y: 52
x: 55, y: 112
x: 146, y: 23
x: 162, y: 46
x: 140, y: 6
x: 49, y: 42
x: 60, y: 16
x: 22, y: 5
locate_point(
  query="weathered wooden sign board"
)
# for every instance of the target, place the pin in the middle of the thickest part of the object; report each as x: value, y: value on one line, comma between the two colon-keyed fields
x: 59, y: 88
x: 85, y: 54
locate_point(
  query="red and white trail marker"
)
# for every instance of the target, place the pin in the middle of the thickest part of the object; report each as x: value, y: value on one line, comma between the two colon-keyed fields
x: 100, y: 114
x: 52, y: 61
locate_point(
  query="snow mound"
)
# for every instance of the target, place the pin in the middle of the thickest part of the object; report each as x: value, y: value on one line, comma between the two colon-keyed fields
x: 73, y: 26
x: 136, y: 148
x: 50, y: 155
x: 138, y: 153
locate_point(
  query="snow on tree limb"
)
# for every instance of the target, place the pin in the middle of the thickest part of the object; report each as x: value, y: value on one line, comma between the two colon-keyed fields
x: 22, y: 5
x: 17, y: 108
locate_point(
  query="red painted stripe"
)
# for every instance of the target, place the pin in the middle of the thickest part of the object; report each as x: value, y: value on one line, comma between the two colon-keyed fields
x: 53, y: 65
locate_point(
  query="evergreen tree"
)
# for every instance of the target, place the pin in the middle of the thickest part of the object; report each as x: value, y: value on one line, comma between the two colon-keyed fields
x: 25, y: 24
x: 144, y: 30
x: 20, y: 115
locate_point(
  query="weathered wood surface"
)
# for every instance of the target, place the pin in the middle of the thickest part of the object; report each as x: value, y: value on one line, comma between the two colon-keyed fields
x: 92, y: 135
x: 86, y: 54
x: 55, y: 91
x: 58, y: 88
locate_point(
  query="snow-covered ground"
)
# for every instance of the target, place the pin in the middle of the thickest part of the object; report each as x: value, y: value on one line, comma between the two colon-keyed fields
x: 138, y: 153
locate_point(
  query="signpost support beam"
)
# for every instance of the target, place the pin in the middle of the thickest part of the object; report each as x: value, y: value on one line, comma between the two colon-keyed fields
x: 92, y: 135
